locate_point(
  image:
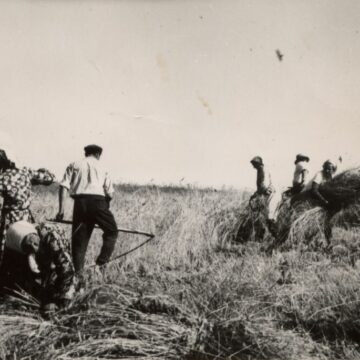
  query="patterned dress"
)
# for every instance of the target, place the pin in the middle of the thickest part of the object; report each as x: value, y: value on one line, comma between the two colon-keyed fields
x: 56, y: 282
x: 15, y: 188
x: 55, y: 264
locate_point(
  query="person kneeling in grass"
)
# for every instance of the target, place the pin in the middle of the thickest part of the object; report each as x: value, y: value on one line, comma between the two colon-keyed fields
x: 37, y: 259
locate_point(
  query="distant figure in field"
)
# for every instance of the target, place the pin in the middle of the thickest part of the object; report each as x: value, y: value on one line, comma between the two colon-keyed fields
x: 92, y: 190
x: 300, y: 174
x: 37, y: 259
x: 15, y: 189
x: 264, y: 193
x: 321, y: 177
x: 263, y: 179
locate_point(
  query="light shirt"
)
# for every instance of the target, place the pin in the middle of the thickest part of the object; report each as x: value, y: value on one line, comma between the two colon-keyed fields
x: 319, y: 179
x: 300, y: 172
x: 16, y: 233
x: 87, y: 177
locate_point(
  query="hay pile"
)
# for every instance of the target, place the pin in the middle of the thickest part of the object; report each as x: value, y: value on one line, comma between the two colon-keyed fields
x: 251, y: 225
x: 304, y: 224
x: 111, y: 322
x: 344, y: 189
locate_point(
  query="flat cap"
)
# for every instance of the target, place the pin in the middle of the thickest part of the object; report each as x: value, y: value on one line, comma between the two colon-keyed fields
x: 92, y: 148
x: 302, y: 157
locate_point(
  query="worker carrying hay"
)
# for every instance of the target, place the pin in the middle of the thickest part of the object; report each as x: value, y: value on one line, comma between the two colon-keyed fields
x: 15, y: 188
x: 90, y: 187
x: 260, y: 212
x: 37, y: 260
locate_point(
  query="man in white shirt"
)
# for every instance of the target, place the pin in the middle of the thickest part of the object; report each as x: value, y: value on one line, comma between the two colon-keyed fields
x: 300, y: 173
x: 92, y: 190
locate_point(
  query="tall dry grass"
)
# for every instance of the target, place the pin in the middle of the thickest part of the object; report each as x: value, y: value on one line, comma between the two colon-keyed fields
x: 192, y: 293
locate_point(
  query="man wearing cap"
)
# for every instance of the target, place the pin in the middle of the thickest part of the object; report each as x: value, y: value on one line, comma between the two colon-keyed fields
x: 37, y: 259
x: 300, y: 174
x: 92, y: 190
x: 15, y: 189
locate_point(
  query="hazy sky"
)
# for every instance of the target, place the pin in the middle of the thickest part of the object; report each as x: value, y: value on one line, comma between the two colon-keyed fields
x: 178, y: 89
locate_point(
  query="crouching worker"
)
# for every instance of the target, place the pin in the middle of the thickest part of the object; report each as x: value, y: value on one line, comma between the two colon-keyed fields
x: 37, y: 259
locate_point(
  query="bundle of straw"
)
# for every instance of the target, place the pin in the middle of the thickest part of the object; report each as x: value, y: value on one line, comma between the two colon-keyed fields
x: 252, y: 220
x: 109, y: 322
x: 343, y: 189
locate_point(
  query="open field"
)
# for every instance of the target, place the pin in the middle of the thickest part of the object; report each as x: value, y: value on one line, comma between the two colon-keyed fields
x: 191, y: 294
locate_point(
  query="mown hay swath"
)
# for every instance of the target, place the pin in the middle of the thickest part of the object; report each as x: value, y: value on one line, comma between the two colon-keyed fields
x: 106, y: 323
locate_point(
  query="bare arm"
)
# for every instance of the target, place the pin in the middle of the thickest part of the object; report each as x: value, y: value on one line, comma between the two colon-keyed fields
x: 63, y: 190
x: 62, y: 196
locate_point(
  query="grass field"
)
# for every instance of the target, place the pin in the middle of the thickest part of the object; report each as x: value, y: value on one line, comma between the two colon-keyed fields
x: 191, y: 293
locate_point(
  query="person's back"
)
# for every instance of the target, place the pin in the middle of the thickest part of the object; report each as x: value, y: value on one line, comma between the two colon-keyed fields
x: 91, y: 190
x: 87, y: 176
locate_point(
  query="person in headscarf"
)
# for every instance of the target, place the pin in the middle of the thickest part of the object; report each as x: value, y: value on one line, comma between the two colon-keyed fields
x: 15, y: 189
x: 37, y: 259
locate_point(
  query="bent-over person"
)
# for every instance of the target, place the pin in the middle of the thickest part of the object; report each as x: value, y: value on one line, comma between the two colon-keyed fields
x: 37, y: 259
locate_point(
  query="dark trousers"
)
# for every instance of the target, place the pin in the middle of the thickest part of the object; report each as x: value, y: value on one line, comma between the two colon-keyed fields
x: 91, y: 210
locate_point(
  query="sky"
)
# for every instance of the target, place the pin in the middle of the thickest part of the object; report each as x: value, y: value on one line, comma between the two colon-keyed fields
x: 181, y: 91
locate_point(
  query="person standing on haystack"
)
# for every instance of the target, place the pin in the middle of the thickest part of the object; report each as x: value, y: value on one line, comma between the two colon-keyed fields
x: 15, y: 189
x: 92, y: 190
x: 300, y: 174
x: 313, y: 187
x: 326, y: 174
x: 263, y: 195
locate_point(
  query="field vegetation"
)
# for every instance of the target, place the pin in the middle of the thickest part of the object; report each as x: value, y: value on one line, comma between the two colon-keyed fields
x: 193, y: 293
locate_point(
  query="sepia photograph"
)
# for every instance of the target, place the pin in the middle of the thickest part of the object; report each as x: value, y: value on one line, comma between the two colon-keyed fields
x: 179, y: 179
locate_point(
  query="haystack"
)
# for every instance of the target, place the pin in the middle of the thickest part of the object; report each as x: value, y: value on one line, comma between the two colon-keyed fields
x: 344, y: 189
x: 303, y: 223
x: 252, y: 221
